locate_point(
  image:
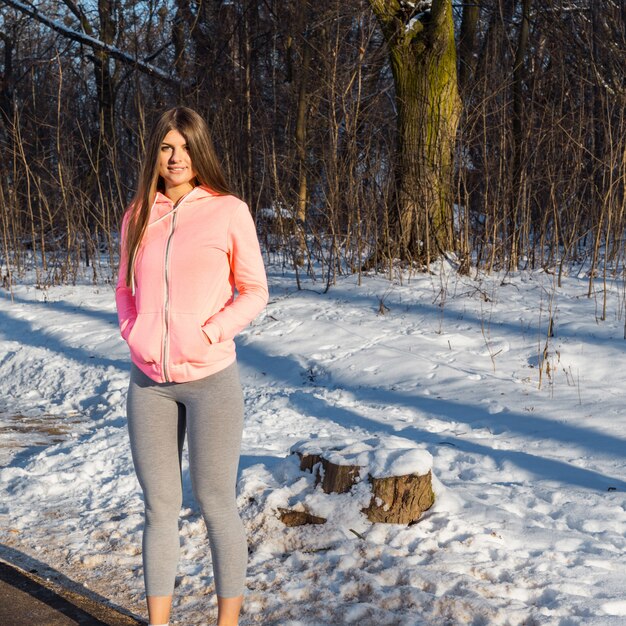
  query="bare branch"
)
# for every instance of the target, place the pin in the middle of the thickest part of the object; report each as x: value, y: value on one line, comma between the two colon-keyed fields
x: 93, y: 43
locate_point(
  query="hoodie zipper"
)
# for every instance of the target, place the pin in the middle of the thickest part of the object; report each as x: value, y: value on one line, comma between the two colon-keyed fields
x: 166, y: 308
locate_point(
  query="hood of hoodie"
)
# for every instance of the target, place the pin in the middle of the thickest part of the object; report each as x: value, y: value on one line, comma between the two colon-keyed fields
x: 163, y: 206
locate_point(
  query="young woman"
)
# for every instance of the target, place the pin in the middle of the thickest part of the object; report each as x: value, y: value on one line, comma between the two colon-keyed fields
x: 187, y: 244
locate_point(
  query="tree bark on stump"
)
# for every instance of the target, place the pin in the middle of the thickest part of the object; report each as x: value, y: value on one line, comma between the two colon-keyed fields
x: 403, y: 498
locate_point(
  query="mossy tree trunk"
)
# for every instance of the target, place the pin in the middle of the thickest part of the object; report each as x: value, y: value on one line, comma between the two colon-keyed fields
x: 423, y: 61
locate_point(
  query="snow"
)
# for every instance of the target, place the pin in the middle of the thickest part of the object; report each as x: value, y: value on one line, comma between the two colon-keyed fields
x: 529, y: 520
x: 381, y: 457
x: 276, y: 210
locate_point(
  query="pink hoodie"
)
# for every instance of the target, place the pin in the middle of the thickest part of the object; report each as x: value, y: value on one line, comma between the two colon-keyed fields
x: 181, y: 319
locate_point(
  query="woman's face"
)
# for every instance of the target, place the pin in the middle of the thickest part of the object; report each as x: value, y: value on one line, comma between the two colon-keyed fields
x: 175, y: 166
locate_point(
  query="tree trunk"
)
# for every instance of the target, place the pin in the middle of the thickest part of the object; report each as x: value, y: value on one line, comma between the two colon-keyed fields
x: 7, y: 80
x: 181, y: 44
x: 301, y: 140
x: 423, y: 61
x: 104, y: 80
x: 467, y: 43
x: 517, y: 170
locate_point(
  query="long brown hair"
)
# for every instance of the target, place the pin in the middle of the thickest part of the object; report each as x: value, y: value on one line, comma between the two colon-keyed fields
x: 205, y: 163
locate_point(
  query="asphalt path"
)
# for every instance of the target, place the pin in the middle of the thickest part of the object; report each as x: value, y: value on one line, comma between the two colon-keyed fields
x: 27, y: 599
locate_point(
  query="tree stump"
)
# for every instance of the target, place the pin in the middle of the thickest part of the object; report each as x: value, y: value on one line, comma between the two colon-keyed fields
x: 289, y: 517
x: 396, y: 499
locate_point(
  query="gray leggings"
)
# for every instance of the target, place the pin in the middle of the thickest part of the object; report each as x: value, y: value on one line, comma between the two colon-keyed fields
x: 211, y: 411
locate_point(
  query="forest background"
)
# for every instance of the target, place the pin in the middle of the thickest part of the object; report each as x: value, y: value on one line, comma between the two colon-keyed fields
x: 361, y: 133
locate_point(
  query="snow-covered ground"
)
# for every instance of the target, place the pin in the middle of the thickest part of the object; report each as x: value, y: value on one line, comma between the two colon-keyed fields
x: 529, y: 521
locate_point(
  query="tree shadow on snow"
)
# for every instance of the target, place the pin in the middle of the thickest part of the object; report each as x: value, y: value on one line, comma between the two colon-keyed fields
x: 287, y: 371
x: 536, y: 324
x: 22, y: 331
x: 61, y: 306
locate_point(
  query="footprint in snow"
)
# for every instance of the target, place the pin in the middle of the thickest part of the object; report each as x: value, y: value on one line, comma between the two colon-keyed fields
x: 493, y: 406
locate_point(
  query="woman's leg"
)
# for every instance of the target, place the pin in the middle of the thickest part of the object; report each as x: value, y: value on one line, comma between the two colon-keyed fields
x: 156, y: 426
x: 159, y: 609
x: 214, y: 426
x: 228, y: 610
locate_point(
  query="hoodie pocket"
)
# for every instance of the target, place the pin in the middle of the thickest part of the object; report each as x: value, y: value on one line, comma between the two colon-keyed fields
x: 145, y: 338
x: 188, y: 344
